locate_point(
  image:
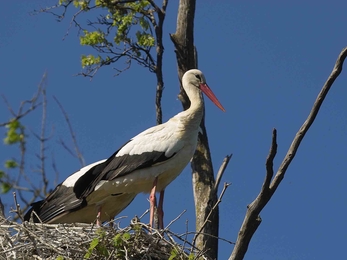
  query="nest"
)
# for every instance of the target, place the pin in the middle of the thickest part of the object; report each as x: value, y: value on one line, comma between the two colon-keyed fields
x: 29, y: 240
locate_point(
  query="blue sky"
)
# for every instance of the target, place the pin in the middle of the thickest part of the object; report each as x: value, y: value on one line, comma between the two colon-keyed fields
x: 265, y: 62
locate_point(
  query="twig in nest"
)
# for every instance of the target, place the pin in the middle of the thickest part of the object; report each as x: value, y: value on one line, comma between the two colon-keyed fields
x: 144, y: 213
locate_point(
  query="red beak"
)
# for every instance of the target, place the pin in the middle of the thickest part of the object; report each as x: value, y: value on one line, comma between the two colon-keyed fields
x: 208, y: 92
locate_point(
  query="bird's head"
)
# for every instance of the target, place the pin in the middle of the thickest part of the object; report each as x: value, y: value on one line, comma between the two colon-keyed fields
x: 194, y: 77
x: 197, y: 79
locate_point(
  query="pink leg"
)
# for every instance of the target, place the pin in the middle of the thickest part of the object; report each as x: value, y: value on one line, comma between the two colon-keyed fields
x: 98, y: 217
x: 160, y: 210
x: 152, y: 202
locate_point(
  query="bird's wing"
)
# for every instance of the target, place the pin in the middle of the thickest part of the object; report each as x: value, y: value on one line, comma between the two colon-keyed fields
x: 63, y: 198
x: 153, y: 146
x: 60, y: 201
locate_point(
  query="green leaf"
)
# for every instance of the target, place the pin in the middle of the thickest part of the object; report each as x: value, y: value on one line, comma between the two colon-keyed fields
x: 62, y: 2
x: 92, y: 38
x: 5, y: 187
x: 102, y: 250
x: 12, y: 136
x: 2, y: 174
x: 81, y: 4
x: 60, y: 258
x: 144, y: 39
x: 173, y: 254
x: 143, y: 23
x: 126, y: 236
x: 92, y: 245
x: 101, y: 233
x: 117, y: 240
x: 10, y: 164
x: 90, y: 60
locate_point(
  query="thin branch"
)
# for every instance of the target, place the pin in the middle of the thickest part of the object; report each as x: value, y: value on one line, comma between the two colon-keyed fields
x: 55, y: 169
x: 226, y: 185
x: 17, y: 210
x: 72, y: 133
x: 67, y: 148
x: 22, y: 110
x: 221, y: 170
x: 252, y: 219
x: 42, y: 143
x: 190, y: 233
x: 307, y: 124
x: 270, y: 159
x: 175, y: 219
x: 160, y: 51
x: 22, y: 173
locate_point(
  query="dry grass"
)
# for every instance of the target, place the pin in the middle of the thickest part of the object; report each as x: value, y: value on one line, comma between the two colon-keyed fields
x: 82, y: 241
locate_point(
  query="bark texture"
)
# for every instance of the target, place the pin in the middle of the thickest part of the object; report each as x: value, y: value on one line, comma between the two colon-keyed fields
x: 205, y: 195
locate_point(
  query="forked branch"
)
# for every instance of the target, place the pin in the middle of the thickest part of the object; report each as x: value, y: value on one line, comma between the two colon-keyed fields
x: 252, y: 219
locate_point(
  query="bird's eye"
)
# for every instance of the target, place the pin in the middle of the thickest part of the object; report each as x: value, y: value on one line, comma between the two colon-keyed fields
x: 198, y: 77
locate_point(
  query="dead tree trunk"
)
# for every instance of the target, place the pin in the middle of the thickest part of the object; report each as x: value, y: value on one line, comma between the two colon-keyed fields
x: 205, y: 195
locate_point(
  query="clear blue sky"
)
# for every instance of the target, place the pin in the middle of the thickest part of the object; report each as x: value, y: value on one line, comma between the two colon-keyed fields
x: 266, y: 63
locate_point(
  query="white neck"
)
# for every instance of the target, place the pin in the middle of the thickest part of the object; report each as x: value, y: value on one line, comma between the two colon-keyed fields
x: 193, y: 115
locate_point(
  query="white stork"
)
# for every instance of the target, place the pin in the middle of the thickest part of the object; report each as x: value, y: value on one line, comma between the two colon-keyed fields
x: 146, y: 163
x: 154, y: 158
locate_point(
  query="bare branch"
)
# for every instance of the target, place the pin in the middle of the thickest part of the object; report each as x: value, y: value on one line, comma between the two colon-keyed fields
x: 226, y: 185
x: 221, y: 170
x: 54, y: 167
x: 307, y: 124
x: 269, y: 160
x: 160, y: 51
x: 17, y: 210
x: 42, y: 144
x: 78, y: 153
x: 252, y: 219
x: 22, y: 146
x: 23, y: 110
x: 175, y: 219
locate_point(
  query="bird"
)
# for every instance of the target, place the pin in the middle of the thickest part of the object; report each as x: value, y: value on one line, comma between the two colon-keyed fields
x: 147, y: 163
x: 151, y: 160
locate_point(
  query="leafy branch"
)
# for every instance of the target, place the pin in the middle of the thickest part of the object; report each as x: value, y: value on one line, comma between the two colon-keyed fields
x: 123, y: 30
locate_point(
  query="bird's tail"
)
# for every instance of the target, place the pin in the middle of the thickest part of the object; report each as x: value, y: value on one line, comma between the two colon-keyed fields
x: 34, y: 207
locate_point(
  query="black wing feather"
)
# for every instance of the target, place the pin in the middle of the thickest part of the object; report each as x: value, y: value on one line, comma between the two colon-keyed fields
x: 87, y: 182
x: 61, y: 200
x: 116, y: 167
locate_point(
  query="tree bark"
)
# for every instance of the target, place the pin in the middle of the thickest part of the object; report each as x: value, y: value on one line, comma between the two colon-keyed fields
x: 205, y: 195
